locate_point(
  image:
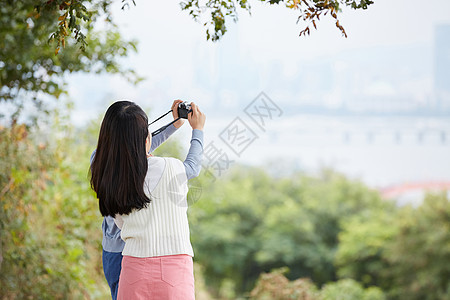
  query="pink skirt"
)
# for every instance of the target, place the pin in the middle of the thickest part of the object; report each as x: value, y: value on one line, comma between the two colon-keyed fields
x: 162, y: 277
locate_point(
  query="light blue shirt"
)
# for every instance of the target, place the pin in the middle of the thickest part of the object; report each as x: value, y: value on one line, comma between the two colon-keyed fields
x: 112, y: 241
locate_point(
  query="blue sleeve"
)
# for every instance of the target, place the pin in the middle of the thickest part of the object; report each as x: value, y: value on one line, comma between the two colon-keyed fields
x: 193, y: 161
x: 160, y: 138
x: 112, y: 242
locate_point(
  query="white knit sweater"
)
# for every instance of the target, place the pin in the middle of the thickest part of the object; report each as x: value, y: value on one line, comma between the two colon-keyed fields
x: 162, y: 228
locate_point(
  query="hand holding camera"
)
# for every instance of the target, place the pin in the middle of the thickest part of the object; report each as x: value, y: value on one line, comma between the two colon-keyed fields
x: 183, y: 110
x: 191, y: 112
x: 196, y: 118
x: 176, y: 113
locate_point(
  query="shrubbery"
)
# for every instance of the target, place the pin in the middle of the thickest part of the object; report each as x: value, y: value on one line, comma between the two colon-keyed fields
x: 49, y: 220
x: 275, y: 286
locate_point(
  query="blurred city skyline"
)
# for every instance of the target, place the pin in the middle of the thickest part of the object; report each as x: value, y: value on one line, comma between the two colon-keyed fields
x: 255, y: 55
x: 374, y: 106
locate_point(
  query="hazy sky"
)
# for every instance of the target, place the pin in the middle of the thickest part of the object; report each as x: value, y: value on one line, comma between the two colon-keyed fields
x: 169, y: 40
x: 263, y: 52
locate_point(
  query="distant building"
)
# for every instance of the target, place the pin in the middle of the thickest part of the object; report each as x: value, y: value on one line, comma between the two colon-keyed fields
x: 442, y: 64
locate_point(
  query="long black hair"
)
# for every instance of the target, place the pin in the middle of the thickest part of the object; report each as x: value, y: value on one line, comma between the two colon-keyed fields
x: 120, y: 163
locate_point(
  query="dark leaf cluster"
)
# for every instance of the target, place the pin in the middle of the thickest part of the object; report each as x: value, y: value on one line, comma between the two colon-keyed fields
x: 217, y: 12
x: 31, y: 32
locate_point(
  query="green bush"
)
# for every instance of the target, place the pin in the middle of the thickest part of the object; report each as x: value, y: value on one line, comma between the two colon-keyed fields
x: 406, y: 252
x: 249, y: 222
x: 49, y: 220
x: 275, y: 286
x: 349, y: 289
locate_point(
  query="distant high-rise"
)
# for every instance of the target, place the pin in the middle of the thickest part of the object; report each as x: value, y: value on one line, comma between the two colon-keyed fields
x: 442, y: 62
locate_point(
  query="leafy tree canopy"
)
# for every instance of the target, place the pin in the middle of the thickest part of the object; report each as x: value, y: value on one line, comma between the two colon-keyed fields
x: 215, y: 12
x: 404, y: 251
x: 310, y: 11
x: 251, y: 222
x: 31, y: 30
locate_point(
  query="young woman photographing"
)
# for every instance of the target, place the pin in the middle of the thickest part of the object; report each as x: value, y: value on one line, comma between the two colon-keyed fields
x: 147, y: 197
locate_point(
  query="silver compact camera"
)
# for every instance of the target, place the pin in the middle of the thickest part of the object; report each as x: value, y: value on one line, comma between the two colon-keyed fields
x: 184, y: 109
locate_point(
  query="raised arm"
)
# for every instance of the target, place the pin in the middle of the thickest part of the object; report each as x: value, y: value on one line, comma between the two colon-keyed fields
x: 158, y: 139
x: 193, y: 160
